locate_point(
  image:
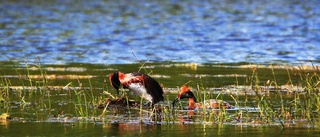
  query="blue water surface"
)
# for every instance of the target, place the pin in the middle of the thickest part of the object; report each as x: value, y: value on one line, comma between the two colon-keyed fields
x: 122, y: 32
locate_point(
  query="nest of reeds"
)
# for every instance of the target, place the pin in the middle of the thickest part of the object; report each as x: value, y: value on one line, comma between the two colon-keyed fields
x: 117, y: 103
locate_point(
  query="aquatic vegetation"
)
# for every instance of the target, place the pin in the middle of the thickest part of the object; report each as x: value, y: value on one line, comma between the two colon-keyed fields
x: 4, y: 117
x: 259, y: 96
x: 307, y: 103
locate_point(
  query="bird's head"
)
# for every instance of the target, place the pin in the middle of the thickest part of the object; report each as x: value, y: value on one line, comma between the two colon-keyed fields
x: 184, y: 93
x: 114, y: 80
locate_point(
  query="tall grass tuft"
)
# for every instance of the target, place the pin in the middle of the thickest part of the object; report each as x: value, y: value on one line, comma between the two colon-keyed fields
x: 307, y: 103
x: 4, y: 93
x: 267, y: 113
x: 84, y: 100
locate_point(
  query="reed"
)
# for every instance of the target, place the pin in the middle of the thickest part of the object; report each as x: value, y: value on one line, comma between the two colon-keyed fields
x: 267, y: 113
x: 290, y: 106
x: 307, y: 103
x: 4, y: 94
x: 84, y: 100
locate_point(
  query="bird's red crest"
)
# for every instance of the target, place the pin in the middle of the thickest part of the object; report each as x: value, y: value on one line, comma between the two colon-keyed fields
x: 184, y: 89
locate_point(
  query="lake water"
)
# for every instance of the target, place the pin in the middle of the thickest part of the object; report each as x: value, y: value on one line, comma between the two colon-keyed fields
x: 134, y: 130
x: 57, y: 55
x: 122, y: 32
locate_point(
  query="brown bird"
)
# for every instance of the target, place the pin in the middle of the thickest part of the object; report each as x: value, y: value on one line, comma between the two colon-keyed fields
x: 211, y: 103
x: 142, y: 84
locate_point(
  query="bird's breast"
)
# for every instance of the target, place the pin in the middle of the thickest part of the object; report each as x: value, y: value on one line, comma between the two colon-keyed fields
x: 140, y: 90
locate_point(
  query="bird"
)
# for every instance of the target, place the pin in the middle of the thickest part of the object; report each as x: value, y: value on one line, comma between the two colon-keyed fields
x: 193, y: 104
x: 142, y: 84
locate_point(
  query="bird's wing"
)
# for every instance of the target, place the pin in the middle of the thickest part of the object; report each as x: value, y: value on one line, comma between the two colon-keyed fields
x: 153, y: 88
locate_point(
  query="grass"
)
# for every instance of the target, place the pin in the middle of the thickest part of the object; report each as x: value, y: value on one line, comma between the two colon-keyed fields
x: 79, y: 98
x: 307, y: 103
x: 4, y: 94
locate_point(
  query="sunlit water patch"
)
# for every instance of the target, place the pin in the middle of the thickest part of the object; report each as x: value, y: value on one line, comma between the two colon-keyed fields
x: 119, y: 32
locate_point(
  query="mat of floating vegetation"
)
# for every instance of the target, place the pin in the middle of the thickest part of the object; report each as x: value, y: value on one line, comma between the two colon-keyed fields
x: 118, y: 102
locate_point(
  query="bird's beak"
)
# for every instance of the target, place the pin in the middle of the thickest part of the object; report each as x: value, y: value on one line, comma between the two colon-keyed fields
x: 175, y: 101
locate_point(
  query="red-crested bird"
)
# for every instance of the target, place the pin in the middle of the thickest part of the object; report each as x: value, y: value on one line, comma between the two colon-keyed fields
x: 142, y: 84
x: 211, y: 103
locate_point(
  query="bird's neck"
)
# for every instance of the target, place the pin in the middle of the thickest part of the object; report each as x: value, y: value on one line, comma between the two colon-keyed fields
x: 122, y: 76
x: 192, y: 103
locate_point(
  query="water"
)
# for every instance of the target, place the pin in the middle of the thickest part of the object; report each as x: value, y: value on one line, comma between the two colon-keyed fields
x: 124, y: 32
x: 89, y: 129
x: 78, y: 43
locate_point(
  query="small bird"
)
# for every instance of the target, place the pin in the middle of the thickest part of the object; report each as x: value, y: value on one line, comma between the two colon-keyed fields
x: 211, y: 103
x: 142, y: 84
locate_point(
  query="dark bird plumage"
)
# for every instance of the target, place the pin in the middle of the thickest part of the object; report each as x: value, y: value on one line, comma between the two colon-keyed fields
x: 142, y: 84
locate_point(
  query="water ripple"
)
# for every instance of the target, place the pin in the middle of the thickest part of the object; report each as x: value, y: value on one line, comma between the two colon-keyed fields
x: 121, y: 32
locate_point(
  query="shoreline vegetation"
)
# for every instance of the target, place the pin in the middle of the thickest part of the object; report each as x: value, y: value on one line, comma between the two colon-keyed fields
x: 260, y: 94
